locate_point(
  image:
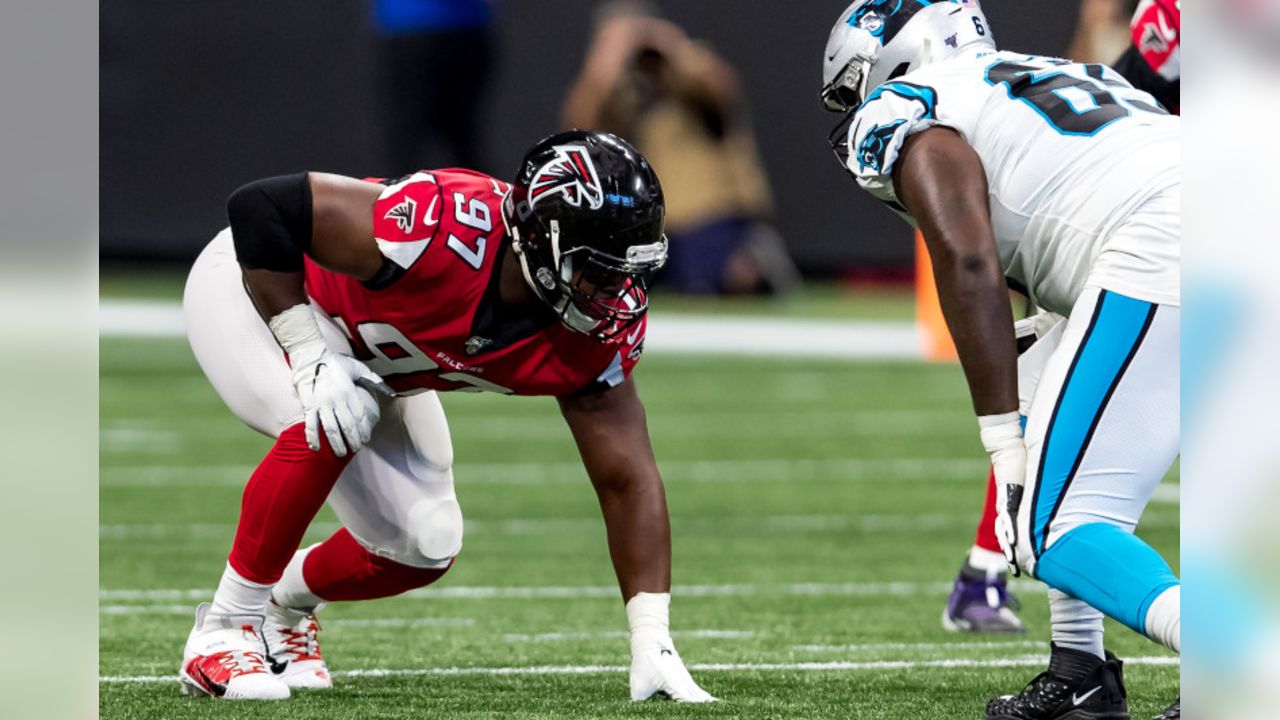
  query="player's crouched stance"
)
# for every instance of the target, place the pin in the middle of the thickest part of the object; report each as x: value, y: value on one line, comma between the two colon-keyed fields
x: 1061, y: 179
x: 328, y: 317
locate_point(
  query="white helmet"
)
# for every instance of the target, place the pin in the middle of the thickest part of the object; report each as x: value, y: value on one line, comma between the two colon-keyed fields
x: 878, y: 40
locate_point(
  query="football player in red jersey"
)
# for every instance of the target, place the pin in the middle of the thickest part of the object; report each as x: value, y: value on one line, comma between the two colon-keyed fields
x: 328, y: 316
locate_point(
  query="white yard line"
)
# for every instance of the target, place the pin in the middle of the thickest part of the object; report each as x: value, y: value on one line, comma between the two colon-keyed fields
x: 876, y: 647
x: 670, y: 334
x: 762, y: 469
x: 1169, y: 493
x: 611, y: 634
x: 953, y: 663
x: 559, y: 592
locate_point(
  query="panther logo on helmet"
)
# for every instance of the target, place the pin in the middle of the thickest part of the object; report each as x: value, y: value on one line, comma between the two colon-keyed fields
x: 572, y: 174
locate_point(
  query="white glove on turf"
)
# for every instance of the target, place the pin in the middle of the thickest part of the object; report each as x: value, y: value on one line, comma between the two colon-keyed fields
x: 656, y: 667
x: 335, y: 390
x: 1002, y: 437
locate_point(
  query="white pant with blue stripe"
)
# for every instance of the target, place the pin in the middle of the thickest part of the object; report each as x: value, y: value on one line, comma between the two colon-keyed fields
x: 1102, y: 430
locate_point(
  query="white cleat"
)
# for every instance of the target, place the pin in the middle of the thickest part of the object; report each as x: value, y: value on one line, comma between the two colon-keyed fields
x: 224, y: 658
x: 292, y: 643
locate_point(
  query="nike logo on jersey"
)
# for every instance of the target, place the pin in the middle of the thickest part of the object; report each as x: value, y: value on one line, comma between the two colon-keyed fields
x: 1077, y: 699
x: 427, y: 219
x: 403, y: 214
x: 632, y: 337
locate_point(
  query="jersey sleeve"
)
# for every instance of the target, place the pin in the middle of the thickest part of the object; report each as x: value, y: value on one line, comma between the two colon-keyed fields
x: 405, y: 218
x: 891, y: 113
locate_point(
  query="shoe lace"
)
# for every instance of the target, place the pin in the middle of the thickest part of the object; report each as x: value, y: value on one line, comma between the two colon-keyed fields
x: 243, y: 662
x: 301, y: 641
x: 1042, y: 694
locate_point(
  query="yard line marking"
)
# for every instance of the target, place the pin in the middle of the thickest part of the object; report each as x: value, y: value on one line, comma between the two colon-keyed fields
x: 528, y: 473
x: 329, y: 624
x: 545, y: 526
x: 147, y: 610
x: 871, y: 647
x: 954, y: 663
x: 400, y: 622
x: 1170, y: 493
x: 757, y: 336
x: 610, y: 634
x: 558, y: 592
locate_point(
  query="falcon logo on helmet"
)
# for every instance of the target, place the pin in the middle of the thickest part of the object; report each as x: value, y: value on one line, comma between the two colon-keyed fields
x: 572, y: 174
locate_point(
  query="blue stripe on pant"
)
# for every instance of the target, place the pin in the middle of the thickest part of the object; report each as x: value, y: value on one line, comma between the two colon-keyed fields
x: 1101, y: 564
x: 1114, y: 334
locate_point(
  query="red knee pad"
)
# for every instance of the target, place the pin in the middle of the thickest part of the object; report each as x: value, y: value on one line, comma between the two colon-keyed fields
x: 342, y: 569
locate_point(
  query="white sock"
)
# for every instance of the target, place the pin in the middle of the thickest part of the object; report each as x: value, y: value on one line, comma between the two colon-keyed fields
x: 992, y: 563
x: 238, y: 596
x: 1164, y: 619
x: 1076, y: 624
x: 292, y: 591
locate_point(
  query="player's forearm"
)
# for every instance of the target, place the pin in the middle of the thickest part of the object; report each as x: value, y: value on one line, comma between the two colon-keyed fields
x: 975, y: 304
x: 639, y: 532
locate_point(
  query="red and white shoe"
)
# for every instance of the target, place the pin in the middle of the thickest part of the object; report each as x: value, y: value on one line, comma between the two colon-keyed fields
x: 225, y: 658
x: 292, y: 641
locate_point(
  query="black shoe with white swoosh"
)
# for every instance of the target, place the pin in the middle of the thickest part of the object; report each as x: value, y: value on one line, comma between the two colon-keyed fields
x: 1077, y: 686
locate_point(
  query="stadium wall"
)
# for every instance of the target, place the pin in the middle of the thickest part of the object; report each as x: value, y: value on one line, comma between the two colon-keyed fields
x: 198, y: 98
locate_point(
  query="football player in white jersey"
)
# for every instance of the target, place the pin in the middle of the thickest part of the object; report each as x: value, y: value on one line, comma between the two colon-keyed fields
x: 1062, y: 180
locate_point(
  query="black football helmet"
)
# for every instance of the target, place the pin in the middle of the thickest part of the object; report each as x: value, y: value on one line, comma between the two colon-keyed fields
x: 586, y: 216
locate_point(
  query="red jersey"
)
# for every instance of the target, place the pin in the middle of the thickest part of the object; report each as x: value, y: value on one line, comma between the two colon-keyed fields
x: 441, y: 325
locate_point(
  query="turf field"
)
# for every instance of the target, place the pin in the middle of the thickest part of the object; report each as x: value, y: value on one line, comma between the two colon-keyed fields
x: 819, y: 511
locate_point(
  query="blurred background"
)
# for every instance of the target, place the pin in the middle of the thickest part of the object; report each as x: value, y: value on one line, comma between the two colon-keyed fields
x: 199, y: 98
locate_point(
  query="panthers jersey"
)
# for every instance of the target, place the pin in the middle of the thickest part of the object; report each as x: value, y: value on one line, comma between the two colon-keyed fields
x: 440, y: 324
x: 1069, y: 150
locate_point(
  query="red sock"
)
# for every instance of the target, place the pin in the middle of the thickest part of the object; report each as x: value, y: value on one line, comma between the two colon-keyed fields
x: 280, y: 501
x: 341, y: 569
x: 986, y: 538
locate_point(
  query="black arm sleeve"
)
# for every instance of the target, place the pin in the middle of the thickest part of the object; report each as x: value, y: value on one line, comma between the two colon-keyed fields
x: 1135, y: 69
x: 271, y: 222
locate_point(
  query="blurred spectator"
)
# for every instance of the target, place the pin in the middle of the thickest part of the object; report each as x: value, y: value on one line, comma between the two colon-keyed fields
x: 1103, y: 31
x: 681, y: 105
x: 435, y: 58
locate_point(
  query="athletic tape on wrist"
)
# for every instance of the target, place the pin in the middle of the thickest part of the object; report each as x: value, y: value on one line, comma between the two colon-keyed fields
x: 296, y: 328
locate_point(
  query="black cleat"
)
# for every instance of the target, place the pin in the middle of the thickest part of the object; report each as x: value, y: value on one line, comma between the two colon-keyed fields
x: 1077, y: 686
x: 1174, y: 712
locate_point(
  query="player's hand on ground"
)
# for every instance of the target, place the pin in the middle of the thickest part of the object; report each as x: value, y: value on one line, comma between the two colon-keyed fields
x: 658, y: 671
x: 1002, y: 437
x: 337, y: 397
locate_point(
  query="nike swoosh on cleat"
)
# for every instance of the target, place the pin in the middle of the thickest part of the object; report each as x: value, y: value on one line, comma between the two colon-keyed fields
x: 1077, y: 699
x: 218, y: 689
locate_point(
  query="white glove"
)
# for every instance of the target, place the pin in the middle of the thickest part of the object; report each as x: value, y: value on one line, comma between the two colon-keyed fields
x: 656, y: 667
x: 1002, y: 437
x: 335, y: 390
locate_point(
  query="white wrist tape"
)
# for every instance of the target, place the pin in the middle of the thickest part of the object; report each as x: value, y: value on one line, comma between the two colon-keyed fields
x: 296, y: 328
x: 649, y: 615
x: 1000, y: 431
